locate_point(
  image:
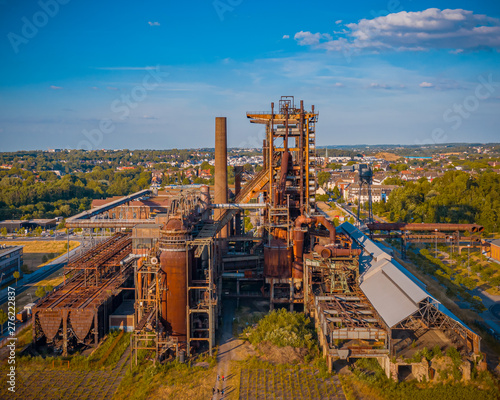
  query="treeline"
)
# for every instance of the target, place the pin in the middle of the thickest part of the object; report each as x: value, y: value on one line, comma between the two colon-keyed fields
x: 69, y: 161
x: 456, y: 197
x: 28, y: 198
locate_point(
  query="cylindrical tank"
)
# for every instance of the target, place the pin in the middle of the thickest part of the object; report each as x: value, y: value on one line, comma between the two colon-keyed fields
x: 277, y: 259
x: 173, y: 263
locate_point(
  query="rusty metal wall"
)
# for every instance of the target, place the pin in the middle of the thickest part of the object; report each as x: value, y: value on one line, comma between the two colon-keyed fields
x: 277, y: 259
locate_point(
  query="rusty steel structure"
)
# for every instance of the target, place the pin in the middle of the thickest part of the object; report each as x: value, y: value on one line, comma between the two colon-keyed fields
x: 176, y: 295
x: 193, y: 250
x: 77, y: 313
x: 442, y: 233
x: 403, y: 226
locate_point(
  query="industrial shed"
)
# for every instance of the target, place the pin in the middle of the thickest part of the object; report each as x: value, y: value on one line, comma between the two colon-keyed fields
x: 409, y: 311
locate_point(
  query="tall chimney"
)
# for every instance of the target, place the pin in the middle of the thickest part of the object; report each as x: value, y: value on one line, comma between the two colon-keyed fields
x: 220, y: 194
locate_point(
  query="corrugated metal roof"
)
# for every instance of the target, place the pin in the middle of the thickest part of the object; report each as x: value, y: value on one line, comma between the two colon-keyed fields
x: 389, y: 301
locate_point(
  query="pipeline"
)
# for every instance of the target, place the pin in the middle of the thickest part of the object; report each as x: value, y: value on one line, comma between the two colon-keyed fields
x: 302, y: 219
x: 327, y: 252
x: 298, y: 240
x: 399, y: 226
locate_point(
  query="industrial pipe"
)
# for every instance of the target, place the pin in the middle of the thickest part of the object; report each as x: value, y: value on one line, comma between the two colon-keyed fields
x: 302, y: 219
x: 234, y: 206
x: 327, y: 252
x: 323, y: 251
x: 402, y: 226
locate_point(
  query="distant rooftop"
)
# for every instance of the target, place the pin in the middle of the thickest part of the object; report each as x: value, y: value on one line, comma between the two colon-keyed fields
x: 4, y: 249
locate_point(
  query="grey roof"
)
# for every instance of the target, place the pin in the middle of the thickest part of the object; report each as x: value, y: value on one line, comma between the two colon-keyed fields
x: 387, y: 298
x: 496, y: 242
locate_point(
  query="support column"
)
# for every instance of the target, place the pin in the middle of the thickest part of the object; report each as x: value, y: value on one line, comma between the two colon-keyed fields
x: 96, y: 329
x: 305, y: 287
x: 65, y: 332
x: 271, y: 296
x: 291, y: 294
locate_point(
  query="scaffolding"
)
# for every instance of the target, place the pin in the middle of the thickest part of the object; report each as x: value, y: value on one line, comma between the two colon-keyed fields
x: 149, y: 333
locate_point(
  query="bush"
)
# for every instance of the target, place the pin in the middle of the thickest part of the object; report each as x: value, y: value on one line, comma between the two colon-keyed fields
x: 283, y: 328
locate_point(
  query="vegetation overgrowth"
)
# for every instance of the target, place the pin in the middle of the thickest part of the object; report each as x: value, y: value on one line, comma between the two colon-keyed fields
x: 283, y: 328
x: 369, y: 381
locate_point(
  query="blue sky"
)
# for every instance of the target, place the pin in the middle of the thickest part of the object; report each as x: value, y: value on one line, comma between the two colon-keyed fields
x: 155, y: 74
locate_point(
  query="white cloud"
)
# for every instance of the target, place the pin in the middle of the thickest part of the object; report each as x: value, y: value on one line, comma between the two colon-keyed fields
x: 338, y: 84
x: 286, y: 36
x: 112, y: 88
x: 339, y: 21
x: 426, y: 85
x: 94, y: 88
x: 310, y: 39
x: 55, y: 87
x: 156, y: 23
x: 457, y: 30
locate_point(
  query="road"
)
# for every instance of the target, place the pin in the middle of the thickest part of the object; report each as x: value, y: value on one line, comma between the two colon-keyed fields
x: 226, y: 346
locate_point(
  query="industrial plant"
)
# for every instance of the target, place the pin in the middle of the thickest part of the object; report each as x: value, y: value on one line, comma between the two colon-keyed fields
x: 175, y: 254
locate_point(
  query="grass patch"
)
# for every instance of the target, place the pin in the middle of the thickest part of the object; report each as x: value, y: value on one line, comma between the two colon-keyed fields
x: 169, y: 381
x: 254, y: 378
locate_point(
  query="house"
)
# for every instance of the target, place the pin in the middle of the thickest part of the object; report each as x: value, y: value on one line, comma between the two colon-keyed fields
x: 495, y: 249
x: 379, y: 193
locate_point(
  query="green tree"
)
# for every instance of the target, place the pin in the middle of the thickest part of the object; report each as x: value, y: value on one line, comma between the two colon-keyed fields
x: 16, y: 275
x: 40, y: 291
x: 323, y: 177
x: 4, y: 231
x: 49, y: 288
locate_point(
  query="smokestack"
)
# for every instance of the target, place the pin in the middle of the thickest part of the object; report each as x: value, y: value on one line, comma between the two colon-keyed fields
x: 220, y: 195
